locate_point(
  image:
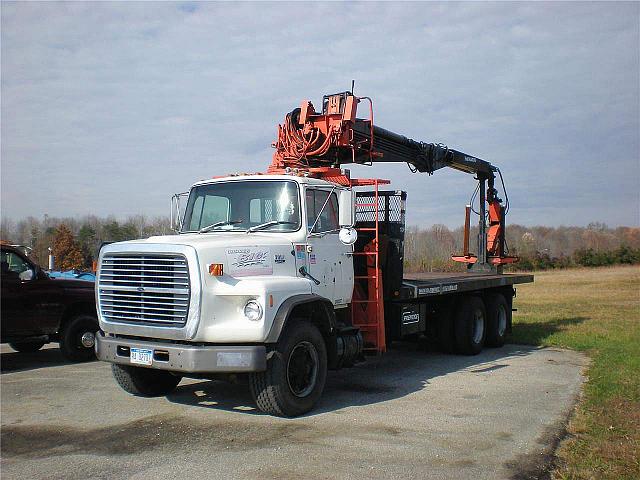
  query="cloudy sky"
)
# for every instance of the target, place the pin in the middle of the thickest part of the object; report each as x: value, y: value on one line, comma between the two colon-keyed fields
x: 109, y: 108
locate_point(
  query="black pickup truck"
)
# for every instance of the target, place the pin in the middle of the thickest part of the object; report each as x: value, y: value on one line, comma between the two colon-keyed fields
x: 37, y: 309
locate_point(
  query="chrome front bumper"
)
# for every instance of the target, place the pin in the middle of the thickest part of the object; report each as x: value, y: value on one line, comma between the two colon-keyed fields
x: 184, y: 358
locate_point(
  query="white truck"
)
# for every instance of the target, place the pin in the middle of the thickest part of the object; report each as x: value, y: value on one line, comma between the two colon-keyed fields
x: 286, y: 275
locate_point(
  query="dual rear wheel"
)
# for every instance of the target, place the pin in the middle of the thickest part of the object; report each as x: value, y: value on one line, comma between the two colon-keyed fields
x: 475, y: 323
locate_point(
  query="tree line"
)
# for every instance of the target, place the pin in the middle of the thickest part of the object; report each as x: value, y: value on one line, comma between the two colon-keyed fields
x: 75, y: 242
x: 538, y: 248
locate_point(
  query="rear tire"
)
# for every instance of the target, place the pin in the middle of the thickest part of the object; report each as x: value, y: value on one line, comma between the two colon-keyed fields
x: 296, y: 372
x: 78, y: 337
x: 498, y: 319
x: 445, y: 330
x: 144, y: 382
x: 26, y: 347
x: 470, y: 326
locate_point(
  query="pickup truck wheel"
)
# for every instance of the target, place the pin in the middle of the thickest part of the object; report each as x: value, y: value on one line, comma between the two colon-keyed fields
x: 498, y: 318
x: 25, y: 347
x: 470, y: 326
x: 77, y: 338
x: 296, y: 372
x: 144, y: 382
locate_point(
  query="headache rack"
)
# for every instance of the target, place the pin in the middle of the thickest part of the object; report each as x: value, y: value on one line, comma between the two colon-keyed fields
x: 378, y: 254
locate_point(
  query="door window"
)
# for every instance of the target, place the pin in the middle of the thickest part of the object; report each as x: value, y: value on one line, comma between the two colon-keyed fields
x: 328, y: 220
x: 15, y: 267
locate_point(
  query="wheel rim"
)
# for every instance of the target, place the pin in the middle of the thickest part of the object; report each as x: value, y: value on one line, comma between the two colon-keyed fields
x: 88, y: 339
x: 502, y: 320
x: 302, y: 369
x: 478, y: 326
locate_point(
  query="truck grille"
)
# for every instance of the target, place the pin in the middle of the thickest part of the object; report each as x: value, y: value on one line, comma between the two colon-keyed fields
x: 144, y: 289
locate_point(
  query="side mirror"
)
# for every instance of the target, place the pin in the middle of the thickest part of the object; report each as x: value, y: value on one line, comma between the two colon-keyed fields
x: 348, y: 235
x: 176, y: 213
x: 26, y: 275
x: 347, y: 208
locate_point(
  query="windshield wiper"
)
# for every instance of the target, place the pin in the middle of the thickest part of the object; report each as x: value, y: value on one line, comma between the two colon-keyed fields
x: 262, y: 226
x: 219, y: 224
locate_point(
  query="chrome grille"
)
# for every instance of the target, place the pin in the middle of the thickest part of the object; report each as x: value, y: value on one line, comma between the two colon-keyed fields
x: 149, y: 289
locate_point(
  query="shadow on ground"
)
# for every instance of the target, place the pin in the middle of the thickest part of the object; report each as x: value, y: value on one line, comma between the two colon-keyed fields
x: 401, y: 371
x: 535, y: 333
x: 17, y: 362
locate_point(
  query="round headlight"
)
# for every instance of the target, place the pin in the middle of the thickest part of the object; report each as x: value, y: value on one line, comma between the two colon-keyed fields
x: 253, y: 310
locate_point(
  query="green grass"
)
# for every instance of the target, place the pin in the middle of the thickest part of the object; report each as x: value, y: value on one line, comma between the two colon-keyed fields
x: 597, y: 311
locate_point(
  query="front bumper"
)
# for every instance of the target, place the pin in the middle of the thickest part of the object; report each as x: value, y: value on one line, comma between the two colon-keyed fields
x: 185, y: 358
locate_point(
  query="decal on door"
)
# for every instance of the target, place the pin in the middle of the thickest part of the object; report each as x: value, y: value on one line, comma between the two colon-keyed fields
x: 300, y: 252
x: 246, y: 261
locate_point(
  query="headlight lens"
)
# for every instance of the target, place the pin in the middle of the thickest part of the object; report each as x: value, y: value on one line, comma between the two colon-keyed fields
x: 253, y: 310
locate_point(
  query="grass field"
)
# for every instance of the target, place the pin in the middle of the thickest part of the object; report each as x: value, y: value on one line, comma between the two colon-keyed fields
x: 596, y: 311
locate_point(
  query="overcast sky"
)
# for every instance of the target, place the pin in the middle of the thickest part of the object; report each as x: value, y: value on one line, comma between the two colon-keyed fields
x: 109, y: 108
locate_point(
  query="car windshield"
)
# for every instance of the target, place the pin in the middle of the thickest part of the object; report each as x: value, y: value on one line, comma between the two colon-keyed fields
x: 271, y: 206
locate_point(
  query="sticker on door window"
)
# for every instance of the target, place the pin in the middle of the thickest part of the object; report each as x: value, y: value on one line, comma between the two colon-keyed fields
x: 247, y: 261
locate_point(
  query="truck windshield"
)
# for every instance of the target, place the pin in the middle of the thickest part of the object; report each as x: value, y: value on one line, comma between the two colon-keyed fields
x: 273, y: 206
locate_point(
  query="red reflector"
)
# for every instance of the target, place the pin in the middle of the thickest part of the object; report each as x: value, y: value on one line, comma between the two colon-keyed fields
x: 215, y: 269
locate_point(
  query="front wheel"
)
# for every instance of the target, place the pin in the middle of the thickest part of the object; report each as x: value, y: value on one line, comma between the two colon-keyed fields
x: 26, y: 347
x: 144, y: 382
x: 296, y: 372
x: 77, y: 338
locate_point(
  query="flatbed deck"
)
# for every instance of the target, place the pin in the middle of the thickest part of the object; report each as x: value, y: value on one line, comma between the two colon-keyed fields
x: 420, y: 285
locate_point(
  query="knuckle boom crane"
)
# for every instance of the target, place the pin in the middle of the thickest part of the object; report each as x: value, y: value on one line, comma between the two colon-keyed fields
x: 320, y: 142
x: 285, y: 276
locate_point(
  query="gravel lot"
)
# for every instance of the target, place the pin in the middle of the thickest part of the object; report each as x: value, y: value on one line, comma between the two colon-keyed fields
x: 410, y: 414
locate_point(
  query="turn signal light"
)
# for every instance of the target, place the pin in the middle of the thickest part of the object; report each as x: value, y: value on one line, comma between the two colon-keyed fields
x: 215, y: 269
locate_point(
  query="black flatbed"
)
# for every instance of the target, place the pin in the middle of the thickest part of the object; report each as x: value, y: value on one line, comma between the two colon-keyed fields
x: 430, y: 284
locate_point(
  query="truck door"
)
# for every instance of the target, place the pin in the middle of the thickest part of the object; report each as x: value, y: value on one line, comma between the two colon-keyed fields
x: 31, y: 301
x: 326, y: 254
x: 17, y: 308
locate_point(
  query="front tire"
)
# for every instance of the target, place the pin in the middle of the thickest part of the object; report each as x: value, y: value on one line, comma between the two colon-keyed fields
x: 26, y: 347
x: 144, y: 382
x: 296, y: 372
x: 77, y: 338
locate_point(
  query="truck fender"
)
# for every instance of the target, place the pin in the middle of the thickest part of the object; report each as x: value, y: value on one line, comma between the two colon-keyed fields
x: 285, y: 309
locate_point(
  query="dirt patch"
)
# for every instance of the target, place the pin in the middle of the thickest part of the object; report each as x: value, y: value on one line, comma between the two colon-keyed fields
x: 539, y: 464
x: 150, y: 433
x: 166, y: 432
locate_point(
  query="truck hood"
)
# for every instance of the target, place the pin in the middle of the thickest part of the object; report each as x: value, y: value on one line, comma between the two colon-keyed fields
x: 242, y: 254
x: 200, y: 240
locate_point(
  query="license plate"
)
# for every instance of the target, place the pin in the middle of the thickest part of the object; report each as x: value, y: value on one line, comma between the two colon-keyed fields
x: 141, y: 356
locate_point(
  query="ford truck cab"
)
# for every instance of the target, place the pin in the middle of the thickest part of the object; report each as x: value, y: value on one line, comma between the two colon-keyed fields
x: 257, y: 280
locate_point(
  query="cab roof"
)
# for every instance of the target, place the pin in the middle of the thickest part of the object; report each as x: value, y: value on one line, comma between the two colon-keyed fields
x: 260, y: 177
